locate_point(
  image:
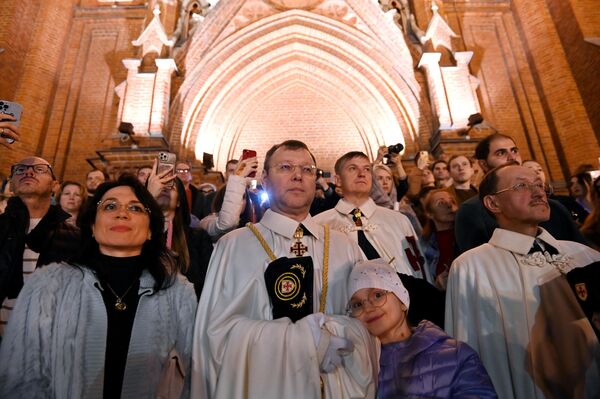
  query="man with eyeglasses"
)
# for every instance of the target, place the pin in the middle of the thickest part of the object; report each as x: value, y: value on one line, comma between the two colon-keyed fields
x: 33, y: 232
x: 474, y: 226
x: 519, y: 299
x: 183, y: 171
x: 271, y: 319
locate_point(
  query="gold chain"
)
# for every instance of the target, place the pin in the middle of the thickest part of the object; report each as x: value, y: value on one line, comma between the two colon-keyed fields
x: 119, y: 304
x: 262, y: 240
x: 325, y: 271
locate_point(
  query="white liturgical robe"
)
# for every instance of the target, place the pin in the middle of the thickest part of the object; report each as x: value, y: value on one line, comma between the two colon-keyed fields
x: 241, y: 352
x: 519, y: 312
x: 388, y: 231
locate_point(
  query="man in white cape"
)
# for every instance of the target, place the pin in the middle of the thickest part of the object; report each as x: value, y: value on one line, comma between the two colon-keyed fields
x: 511, y: 301
x: 380, y: 232
x: 240, y: 349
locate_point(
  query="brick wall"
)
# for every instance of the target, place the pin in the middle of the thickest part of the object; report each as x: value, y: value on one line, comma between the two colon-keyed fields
x: 63, y: 58
x: 305, y: 115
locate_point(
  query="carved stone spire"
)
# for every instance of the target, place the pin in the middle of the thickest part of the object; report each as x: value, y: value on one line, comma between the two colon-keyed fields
x: 154, y: 37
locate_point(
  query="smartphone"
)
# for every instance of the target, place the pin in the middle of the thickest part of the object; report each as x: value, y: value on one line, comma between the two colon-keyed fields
x: 166, y: 160
x: 423, y: 160
x: 14, y: 110
x: 253, y: 184
x: 249, y: 154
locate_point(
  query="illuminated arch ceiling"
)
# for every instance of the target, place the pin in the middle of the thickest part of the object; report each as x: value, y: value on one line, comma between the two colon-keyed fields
x: 246, y: 90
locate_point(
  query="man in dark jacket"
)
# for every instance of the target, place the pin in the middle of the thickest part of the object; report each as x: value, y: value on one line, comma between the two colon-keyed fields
x: 474, y: 225
x: 31, y: 226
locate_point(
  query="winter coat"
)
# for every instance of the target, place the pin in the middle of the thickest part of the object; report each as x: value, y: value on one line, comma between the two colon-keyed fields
x: 430, y: 364
x: 62, y: 355
x: 53, y: 238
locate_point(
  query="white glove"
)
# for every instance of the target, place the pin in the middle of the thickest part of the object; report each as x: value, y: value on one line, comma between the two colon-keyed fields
x: 330, y: 348
x: 338, y: 347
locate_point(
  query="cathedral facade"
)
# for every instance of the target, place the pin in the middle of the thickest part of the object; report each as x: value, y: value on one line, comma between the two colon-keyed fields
x: 109, y: 83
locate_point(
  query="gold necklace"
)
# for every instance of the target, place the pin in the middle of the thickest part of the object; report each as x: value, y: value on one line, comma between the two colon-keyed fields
x: 119, y: 304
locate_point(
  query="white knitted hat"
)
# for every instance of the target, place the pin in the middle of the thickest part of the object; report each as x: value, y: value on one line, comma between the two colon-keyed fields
x: 377, y: 273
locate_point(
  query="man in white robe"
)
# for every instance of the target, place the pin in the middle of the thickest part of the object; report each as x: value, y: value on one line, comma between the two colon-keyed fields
x: 239, y: 350
x: 388, y: 232
x: 509, y: 299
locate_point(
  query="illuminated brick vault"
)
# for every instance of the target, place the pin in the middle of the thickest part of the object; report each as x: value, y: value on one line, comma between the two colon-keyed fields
x: 336, y: 75
x: 340, y: 75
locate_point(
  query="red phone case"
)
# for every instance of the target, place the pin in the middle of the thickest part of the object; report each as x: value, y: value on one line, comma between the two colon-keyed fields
x: 249, y: 154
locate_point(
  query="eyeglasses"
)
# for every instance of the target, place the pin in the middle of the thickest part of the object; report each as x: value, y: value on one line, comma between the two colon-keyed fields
x: 376, y: 298
x: 39, y: 168
x: 181, y: 171
x: 112, y: 206
x: 288, y: 168
x: 523, y: 187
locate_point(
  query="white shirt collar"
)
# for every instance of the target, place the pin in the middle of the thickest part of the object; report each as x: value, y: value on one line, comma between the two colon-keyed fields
x: 520, y: 243
x: 286, y: 226
x: 368, y: 208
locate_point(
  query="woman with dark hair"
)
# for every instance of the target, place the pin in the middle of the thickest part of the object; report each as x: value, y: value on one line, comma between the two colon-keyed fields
x: 580, y: 190
x: 591, y: 226
x: 116, y: 322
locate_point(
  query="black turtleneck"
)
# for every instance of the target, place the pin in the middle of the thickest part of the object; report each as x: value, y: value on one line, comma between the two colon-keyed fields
x: 120, y: 274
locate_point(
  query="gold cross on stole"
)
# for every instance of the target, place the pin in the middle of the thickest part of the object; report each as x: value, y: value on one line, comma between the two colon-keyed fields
x: 298, y: 248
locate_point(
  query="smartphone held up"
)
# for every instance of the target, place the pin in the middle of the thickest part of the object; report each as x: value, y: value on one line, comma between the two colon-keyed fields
x: 247, y: 154
x: 166, y: 161
x: 12, y: 109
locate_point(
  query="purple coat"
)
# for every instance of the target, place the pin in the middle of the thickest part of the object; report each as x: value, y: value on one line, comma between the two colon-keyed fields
x: 431, y: 364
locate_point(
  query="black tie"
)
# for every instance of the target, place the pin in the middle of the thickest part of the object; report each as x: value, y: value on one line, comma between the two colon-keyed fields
x: 305, y: 230
x: 540, y: 246
x: 363, y: 243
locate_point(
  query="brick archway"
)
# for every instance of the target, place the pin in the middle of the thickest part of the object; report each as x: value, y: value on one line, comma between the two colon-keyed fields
x: 296, y: 74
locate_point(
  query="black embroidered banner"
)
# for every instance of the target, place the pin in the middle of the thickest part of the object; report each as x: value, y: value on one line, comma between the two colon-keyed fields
x: 290, y: 287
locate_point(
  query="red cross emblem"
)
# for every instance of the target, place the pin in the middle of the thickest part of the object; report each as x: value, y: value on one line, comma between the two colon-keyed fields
x: 581, y: 291
x: 287, y: 286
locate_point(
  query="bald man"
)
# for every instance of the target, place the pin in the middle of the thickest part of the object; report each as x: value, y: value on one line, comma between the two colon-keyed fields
x: 32, y: 231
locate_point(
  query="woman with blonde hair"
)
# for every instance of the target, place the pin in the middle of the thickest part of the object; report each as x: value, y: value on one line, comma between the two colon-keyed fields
x: 70, y: 198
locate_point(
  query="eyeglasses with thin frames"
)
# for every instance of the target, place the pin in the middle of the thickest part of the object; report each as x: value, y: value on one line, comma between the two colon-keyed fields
x: 523, y: 187
x: 376, y: 298
x: 112, y: 206
x: 287, y: 168
x: 38, y: 168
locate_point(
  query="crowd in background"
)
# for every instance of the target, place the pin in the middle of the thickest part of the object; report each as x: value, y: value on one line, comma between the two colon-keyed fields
x: 174, y: 225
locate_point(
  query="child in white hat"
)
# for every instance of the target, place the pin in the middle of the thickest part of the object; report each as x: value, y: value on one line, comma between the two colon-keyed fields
x: 415, y: 362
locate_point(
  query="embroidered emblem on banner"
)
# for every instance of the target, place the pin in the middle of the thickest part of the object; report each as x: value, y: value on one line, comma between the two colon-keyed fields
x: 287, y: 286
x: 581, y: 291
x: 289, y: 282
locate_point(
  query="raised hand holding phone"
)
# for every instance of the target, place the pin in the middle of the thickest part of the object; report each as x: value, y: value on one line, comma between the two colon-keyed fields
x: 248, y: 164
x: 10, y: 116
x: 158, y: 181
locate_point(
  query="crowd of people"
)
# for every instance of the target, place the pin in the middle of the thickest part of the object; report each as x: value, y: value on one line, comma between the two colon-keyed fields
x: 464, y: 276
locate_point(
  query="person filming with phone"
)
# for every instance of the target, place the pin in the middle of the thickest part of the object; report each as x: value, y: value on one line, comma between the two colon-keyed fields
x: 10, y: 116
x: 9, y: 132
x: 232, y: 201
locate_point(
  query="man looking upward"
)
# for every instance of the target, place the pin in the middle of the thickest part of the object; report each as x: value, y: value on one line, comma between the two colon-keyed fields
x: 474, y: 226
x: 511, y: 299
x: 268, y: 322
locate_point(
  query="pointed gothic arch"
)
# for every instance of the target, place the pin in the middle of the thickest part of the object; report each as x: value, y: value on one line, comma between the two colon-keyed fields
x: 352, y: 70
